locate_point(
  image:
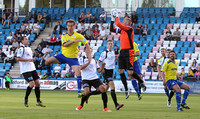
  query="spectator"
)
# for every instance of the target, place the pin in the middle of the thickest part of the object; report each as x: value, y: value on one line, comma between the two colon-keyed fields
x: 145, y: 30
x: 117, y: 51
x: 39, y: 50
x: 47, y: 49
x: 134, y: 27
x: 10, y: 36
x: 33, y: 18
x: 139, y: 29
x: 39, y: 17
x: 28, y: 17
x: 10, y: 58
x: 8, y: 80
x: 69, y: 74
x: 197, y: 44
x: 4, y: 18
x: 95, y: 25
x: 89, y: 33
x: 14, y: 45
x: 168, y: 34
x: 23, y: 28
x: 8, y: 42
x: 190, y: 73
x: 16, y: 18
x: 88, y: 17
x: 46, y: 56
x: 81, y: 18
x: 53, y: 40
x: 46, y: 19
x: 198, y: 18
x: 6, y: 51
x: 41, y: 64
x: 29, y: 28
x: 36, y: 28
x: 42, y: 43
x: 102, y: 17
x: 102, y: 34
x: 100, y: 26
x: 82, y: 32
x: 57, y: 70
x: 152, y: 65
x: 94, y: 19
x: 9, y: 20
x: 182, y: 74
x: 2, y: 56
x: 59, y: 40
x: 15, y: 53
x: 194, y: 66
x: 134, y: 18
x: 58, y: 29
x: 80, y: 26
x: 96, y: 33
x: 56, y: 53
x: 176, y: 34
x: 126, y: 15
x: 39, y: 74
x: 36, y: 62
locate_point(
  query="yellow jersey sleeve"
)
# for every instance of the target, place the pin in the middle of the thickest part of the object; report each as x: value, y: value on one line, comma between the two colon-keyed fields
x: 136, y: 49
x: 63, y: 39
x: 82, y: 38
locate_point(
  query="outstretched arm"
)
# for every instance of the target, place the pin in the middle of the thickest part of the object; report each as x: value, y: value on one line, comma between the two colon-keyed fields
x: 122, y: 26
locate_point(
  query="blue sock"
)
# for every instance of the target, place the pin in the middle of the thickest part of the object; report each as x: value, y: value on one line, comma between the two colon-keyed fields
x: 135, y: 85
x: 178, y: 99
x: 185, y: 95
x: 79, y: 83
x: 48, y: 70
x: 167, y: 92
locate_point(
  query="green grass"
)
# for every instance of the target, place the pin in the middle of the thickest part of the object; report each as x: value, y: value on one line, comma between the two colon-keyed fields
x: 62, y: 104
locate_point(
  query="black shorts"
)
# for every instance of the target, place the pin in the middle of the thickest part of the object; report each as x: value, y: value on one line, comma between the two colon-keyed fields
x: 30, y: 76
x: 108, y: 76
x: 89, y: 83
x: 126, y: 59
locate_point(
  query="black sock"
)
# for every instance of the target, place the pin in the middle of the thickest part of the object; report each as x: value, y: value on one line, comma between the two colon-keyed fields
x: 139, y: 88
x: 123, y: 79
x: 135, y: 75
x: 37, y: 93
x: 28, y: 91
x: 105, y: 99
x: 171, y: 95
x: 114, y: 97
x: 95, y: 92
x: 83, y: 99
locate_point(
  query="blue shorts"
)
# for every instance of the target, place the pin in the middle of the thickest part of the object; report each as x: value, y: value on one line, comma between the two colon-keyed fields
x: 70, y: 61
x: 170, y: 83
x: 137, y: 68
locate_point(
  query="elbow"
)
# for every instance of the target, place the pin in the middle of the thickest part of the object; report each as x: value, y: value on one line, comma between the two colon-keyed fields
x: 17, y: 59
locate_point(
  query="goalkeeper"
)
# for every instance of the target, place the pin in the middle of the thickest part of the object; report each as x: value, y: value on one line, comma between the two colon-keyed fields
x: 127, y: 50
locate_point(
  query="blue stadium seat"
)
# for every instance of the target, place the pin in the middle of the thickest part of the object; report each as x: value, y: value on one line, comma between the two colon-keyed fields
x: 82, y: 10
x: 179, y: 43
x: 62, y: 11
x: 56, y: 10
x: 156, y: 26
x: 166, y: 20
x: 50, y: 11
x: 153, y: 21
x: 158, y: 10
x: 179, y: 20
x: 160, y: 21
x: 145, y: 10
x: 146, y: 15
x: 44, y: 10
x: 139, y: 10
x: 163, y: 26
x: 151, y: 10
x: 172, y: 20
x: 94, y: 10
x: 71, y: 10
x: 146, y: 20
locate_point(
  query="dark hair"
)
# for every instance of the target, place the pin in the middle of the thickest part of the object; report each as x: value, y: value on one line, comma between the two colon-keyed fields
x: 172, y: 51
x: 23, y: 37
x: 70, y: 21
x: 169, y: 50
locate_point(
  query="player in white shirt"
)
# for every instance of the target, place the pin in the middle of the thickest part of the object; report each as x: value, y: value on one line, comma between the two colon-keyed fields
x: 28, y: 70
x: 90, y: 78
x: 161, y: 61
x: 108, y: 57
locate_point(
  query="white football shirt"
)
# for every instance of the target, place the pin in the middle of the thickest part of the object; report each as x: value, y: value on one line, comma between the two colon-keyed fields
x: 109, y: 60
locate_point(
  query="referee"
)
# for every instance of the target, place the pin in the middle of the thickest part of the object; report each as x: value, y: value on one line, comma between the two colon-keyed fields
x: 28, y: 70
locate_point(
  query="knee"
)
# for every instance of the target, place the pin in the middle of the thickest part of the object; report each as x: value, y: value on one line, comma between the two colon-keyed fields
x: 102, y: 89
x: 188, y: 88
x: 86, y: 93
x: 31, y: 85
x: 47, y: 62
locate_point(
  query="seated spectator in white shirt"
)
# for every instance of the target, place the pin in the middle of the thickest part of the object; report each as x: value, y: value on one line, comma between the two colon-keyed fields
x: 80, y: 26
x: 57, y: 70
x: 29, y: 28
x: 10, y: 36
x: 100, y: 26
x: 56, y: 53
x: 10, y: 58
x: 69, y: 74
x: 47, y: 49
x: 36, y: 28
x: 177, y: 34
x: 46, y: 55
x: 102, y: 17
x: 102, y: 34
x: 88, y: 17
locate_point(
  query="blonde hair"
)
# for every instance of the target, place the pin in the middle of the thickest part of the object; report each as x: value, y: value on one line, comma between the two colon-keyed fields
x: 129, y: 20
x: 109, y: 40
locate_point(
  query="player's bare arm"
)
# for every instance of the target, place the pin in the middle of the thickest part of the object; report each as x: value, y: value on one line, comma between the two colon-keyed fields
x: 24, y: 60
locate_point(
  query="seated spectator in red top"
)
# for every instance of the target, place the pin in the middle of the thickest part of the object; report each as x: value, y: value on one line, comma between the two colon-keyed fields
x: 96, y: 33
x: 53, y: 40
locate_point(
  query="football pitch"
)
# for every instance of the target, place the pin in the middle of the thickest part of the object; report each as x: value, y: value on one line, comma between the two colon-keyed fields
x: 62, y: 104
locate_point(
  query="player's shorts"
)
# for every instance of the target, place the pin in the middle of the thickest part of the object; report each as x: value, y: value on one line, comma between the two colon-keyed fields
x: 95, y: 83
x: 126, y: 59
x: 30, y: 76
x: 108, y: 74
x: 70, y: 61
x: 137, y: 68
x: 170, y: 83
